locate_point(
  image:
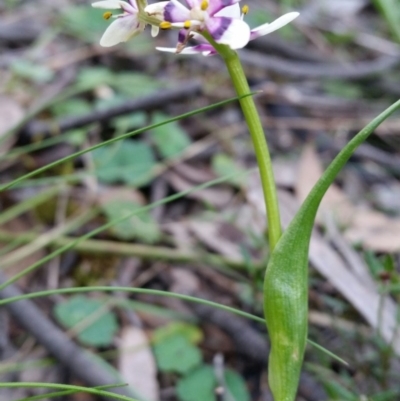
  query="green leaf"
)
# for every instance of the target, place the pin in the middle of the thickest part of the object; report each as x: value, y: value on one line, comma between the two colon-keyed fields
x: 390, y: 10
x: 141, y: 226
x: 127, y: 161
x: 342, y: 89
x: 374, y: 264
x: 338, y: 392
x: 84, y: 22
x: 176, y: 354
x: 223, y: 164
x: 236, y: 386
x: 123, y: 123
x: 171, y: 139
x: 286, y: 279
x: 174, y: 349
x: 73, y: 107
x: 191, y: 332
x: 99, y: 332
x: 94, y: 76
x: 33, y: 72
x: 200, y: 385
x: 134, y: 84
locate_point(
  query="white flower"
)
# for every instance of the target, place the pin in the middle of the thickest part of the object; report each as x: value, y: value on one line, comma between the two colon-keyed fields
x: 207, y: 49
x: 215, y: 17
x: 125, y: 25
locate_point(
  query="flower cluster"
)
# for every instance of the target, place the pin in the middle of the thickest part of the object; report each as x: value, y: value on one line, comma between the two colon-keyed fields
x: 219, y: 21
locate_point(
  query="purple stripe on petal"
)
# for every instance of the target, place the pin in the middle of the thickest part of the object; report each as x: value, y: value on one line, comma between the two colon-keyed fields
x: 218, y: 26
x: 182, y: 35
x: 217, y: 5
x: 133, y: 4
x: 206, y: 49
x: 237, y: 34
x: 176, y: 12
x: 128, y: 8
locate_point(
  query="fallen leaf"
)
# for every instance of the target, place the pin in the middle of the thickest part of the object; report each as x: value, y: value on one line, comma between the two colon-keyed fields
x: 11, y: 113
x: 218, y: 197
x: 210, y: 234
x: 137, y: 365
x: 362, y: 225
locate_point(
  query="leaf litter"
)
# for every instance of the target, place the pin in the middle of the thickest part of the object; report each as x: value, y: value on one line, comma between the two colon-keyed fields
x: 356, y: 228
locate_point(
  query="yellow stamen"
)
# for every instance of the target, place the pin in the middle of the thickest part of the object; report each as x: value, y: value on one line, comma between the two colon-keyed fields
x: 245, y: 9
x: 165, y: 25
x: 204, y: 5
x: 107, y: 15
x: 187, y: 24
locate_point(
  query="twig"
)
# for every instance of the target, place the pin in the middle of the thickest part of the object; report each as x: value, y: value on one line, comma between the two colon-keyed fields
x: 21, y: 32
x: 284, y: 48
x: 147, y: 103
x: 40, y: 241
x: 101, y: 247
x: 351, y: 71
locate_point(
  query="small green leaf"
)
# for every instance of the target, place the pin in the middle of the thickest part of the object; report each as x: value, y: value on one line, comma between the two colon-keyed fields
x: 141, y: 226
x: 94, y: 76
x: 374, y: 264
x: 33, y: 72
x: 341, y: 89
x: 286, y: 279
x: 223, y: 165
x: 134, y: 84
x: 236, y: 386
x: 192, y: 333
x: 73, y: 107
x: 84, y: 22
x: 176, y: 354
x: 171, y: 139
x: 338, y: 392
x: 127, y: 122
x: 127, y: 161
x: 78, y: 308
x: 391, y: 12
x: 198, y: 385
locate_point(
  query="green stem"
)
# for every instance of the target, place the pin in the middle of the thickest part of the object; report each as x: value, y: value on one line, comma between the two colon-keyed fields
x: 252, y: 118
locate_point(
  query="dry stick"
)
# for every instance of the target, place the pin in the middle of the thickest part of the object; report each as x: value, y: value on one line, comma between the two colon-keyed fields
x: 101, y: 247
x: 39, y: 241
x: 151, y: 102
x: 82, y: 364
x: 356, y: 70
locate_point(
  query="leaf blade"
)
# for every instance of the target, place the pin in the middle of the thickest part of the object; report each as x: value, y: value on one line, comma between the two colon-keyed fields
x: 286, y: 279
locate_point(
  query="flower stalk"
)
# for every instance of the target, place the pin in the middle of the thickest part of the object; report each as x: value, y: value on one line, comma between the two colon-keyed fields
x: 260, y: 145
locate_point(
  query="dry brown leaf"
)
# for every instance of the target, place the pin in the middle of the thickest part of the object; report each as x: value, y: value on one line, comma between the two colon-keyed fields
x: 285, y: 173
x: 210, y: 234
x: 194, y: 174
x: 363, y: 225
x: 328, y: 262
x: 184, y: 281
x: 335, y: 201
x: 19, y: 225
x: 217, y: 197
x: 110, y: 194
x: 181, y: 235
x: 11, y: 113
x: 137, y: 365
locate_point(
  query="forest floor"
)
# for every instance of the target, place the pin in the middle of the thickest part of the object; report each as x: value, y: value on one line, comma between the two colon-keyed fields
x: 178, y: 208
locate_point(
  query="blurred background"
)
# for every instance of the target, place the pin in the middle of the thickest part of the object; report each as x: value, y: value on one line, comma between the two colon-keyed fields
x: 320, y: 80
